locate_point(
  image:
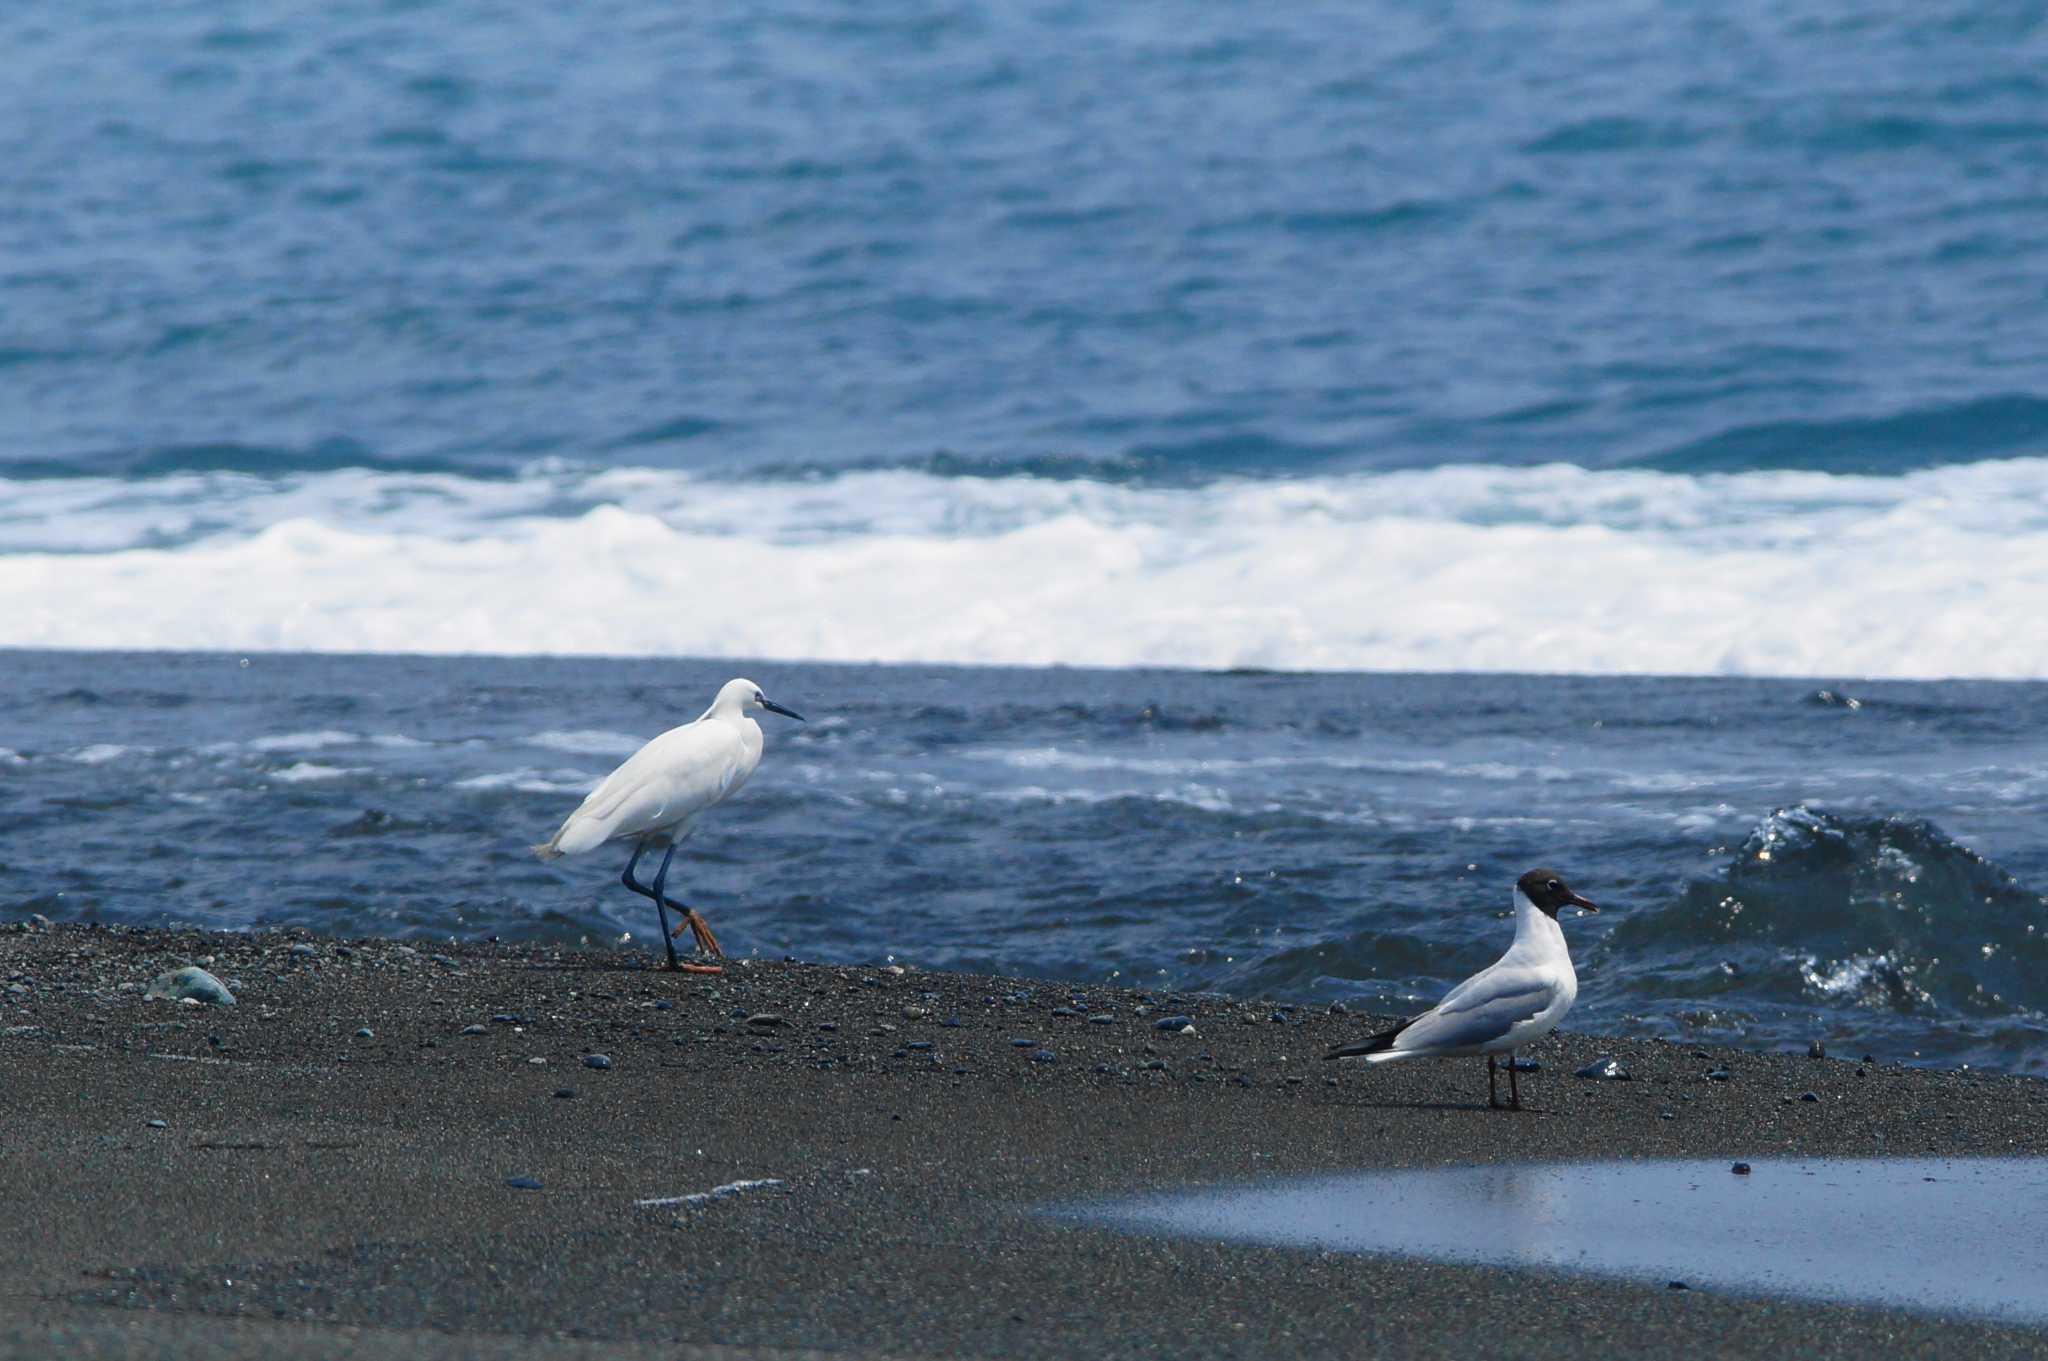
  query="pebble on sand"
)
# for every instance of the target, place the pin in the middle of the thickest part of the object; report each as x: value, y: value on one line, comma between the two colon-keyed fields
x: 597, y: 1061
x: 189, y: 982
x: 1605, y: 1068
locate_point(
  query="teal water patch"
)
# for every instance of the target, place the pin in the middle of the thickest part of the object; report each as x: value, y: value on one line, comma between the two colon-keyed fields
x: 1953, y: 1236
x: 1198, y: 245
x: 2006, y: 425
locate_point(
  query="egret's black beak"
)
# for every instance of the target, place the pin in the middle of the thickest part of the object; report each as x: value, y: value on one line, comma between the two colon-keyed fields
x: 772, y: 707
x: 1576, y: 901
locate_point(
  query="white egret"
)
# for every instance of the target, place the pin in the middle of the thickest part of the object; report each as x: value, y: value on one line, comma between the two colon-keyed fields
x: 1519, y: 998
x: 657, y: 795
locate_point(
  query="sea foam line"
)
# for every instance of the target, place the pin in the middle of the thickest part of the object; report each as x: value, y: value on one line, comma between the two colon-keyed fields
x: 1555, y: 569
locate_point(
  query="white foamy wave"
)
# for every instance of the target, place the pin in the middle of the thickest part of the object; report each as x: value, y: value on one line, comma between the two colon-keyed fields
x: 530, y: 781
x: 1054, y: 758
x: 307, y: 772
x: 1203, y: 798
x: 1060, y: 758
x: 1873, y: 979
x: 303, y: 741
x: 1555, y: 569
x: 99, y: 753
x: 1699, y: 821
x: 588, y: 742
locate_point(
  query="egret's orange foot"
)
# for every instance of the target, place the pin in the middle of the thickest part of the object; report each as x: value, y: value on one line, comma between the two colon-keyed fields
x: 707, y: 944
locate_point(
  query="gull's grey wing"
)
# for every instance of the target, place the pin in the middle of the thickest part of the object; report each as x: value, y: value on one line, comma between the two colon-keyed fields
x: 1473, y: 1016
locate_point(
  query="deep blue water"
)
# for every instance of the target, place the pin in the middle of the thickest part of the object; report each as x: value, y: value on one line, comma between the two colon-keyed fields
x: 1168, y: 242
x: 1302, y: 334
x: 1777, y: 862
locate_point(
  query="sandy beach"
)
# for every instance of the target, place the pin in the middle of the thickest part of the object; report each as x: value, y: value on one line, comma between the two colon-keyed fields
x: 425, y: 1149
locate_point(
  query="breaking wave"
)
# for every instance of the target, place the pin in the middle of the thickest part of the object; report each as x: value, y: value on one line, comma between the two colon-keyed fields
x: 1887, y: 916
x: 1548, y: 569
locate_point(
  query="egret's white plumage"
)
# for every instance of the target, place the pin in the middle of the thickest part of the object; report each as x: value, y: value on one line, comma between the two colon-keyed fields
x: 1518, y: 998
x: 655, y: 797
x: 663, y: 786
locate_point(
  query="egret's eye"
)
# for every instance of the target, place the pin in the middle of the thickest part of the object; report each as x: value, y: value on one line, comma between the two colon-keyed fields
x: 760, y: 698
x: 1553, y: 886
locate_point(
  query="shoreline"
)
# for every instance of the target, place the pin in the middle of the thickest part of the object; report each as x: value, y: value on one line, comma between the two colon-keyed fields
x: 369, y: 1193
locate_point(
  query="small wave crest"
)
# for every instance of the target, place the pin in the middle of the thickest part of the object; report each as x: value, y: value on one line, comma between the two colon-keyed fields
x: 1883, y: 913
x: 100, y: 753
x: 528, y: 780
x: 309, y: 772
x: 588, y: 742
x: 2003, y: 426
x: 304, y: 741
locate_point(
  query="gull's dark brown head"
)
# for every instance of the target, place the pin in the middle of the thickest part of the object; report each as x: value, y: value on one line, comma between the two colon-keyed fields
x: 1548, y: 890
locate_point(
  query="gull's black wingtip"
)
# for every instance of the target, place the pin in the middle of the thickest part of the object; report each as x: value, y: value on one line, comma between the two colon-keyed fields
x: 1371, y: 1045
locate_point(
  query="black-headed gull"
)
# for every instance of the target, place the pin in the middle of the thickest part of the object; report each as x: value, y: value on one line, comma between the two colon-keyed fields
x: 654, y: 797
x: 1520, y: 997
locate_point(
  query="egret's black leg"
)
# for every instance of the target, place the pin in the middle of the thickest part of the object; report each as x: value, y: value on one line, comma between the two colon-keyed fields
x: 626, y: 878
x: 1491, y: 1099
x: 707, y: 944
x: 661, y: 878
x: 692, y: 918
x: 1514, y: 1089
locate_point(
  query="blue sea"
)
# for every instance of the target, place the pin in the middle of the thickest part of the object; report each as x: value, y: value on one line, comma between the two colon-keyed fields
x: 1231, y: 488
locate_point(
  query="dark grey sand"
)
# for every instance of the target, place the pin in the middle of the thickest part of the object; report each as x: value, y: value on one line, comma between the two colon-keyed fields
x: 317, y: 1193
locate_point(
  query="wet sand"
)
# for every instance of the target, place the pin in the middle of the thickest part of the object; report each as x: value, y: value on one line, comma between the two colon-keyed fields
x: 315, y: 1192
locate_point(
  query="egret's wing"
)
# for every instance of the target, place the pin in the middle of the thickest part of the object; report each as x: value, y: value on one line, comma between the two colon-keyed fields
x: 678, y: 774
x: 1479, y: 1011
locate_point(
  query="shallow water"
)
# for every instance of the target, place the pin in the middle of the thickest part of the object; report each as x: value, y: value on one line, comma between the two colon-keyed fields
x: 1956, y: 1236
x: 1774, y: 866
